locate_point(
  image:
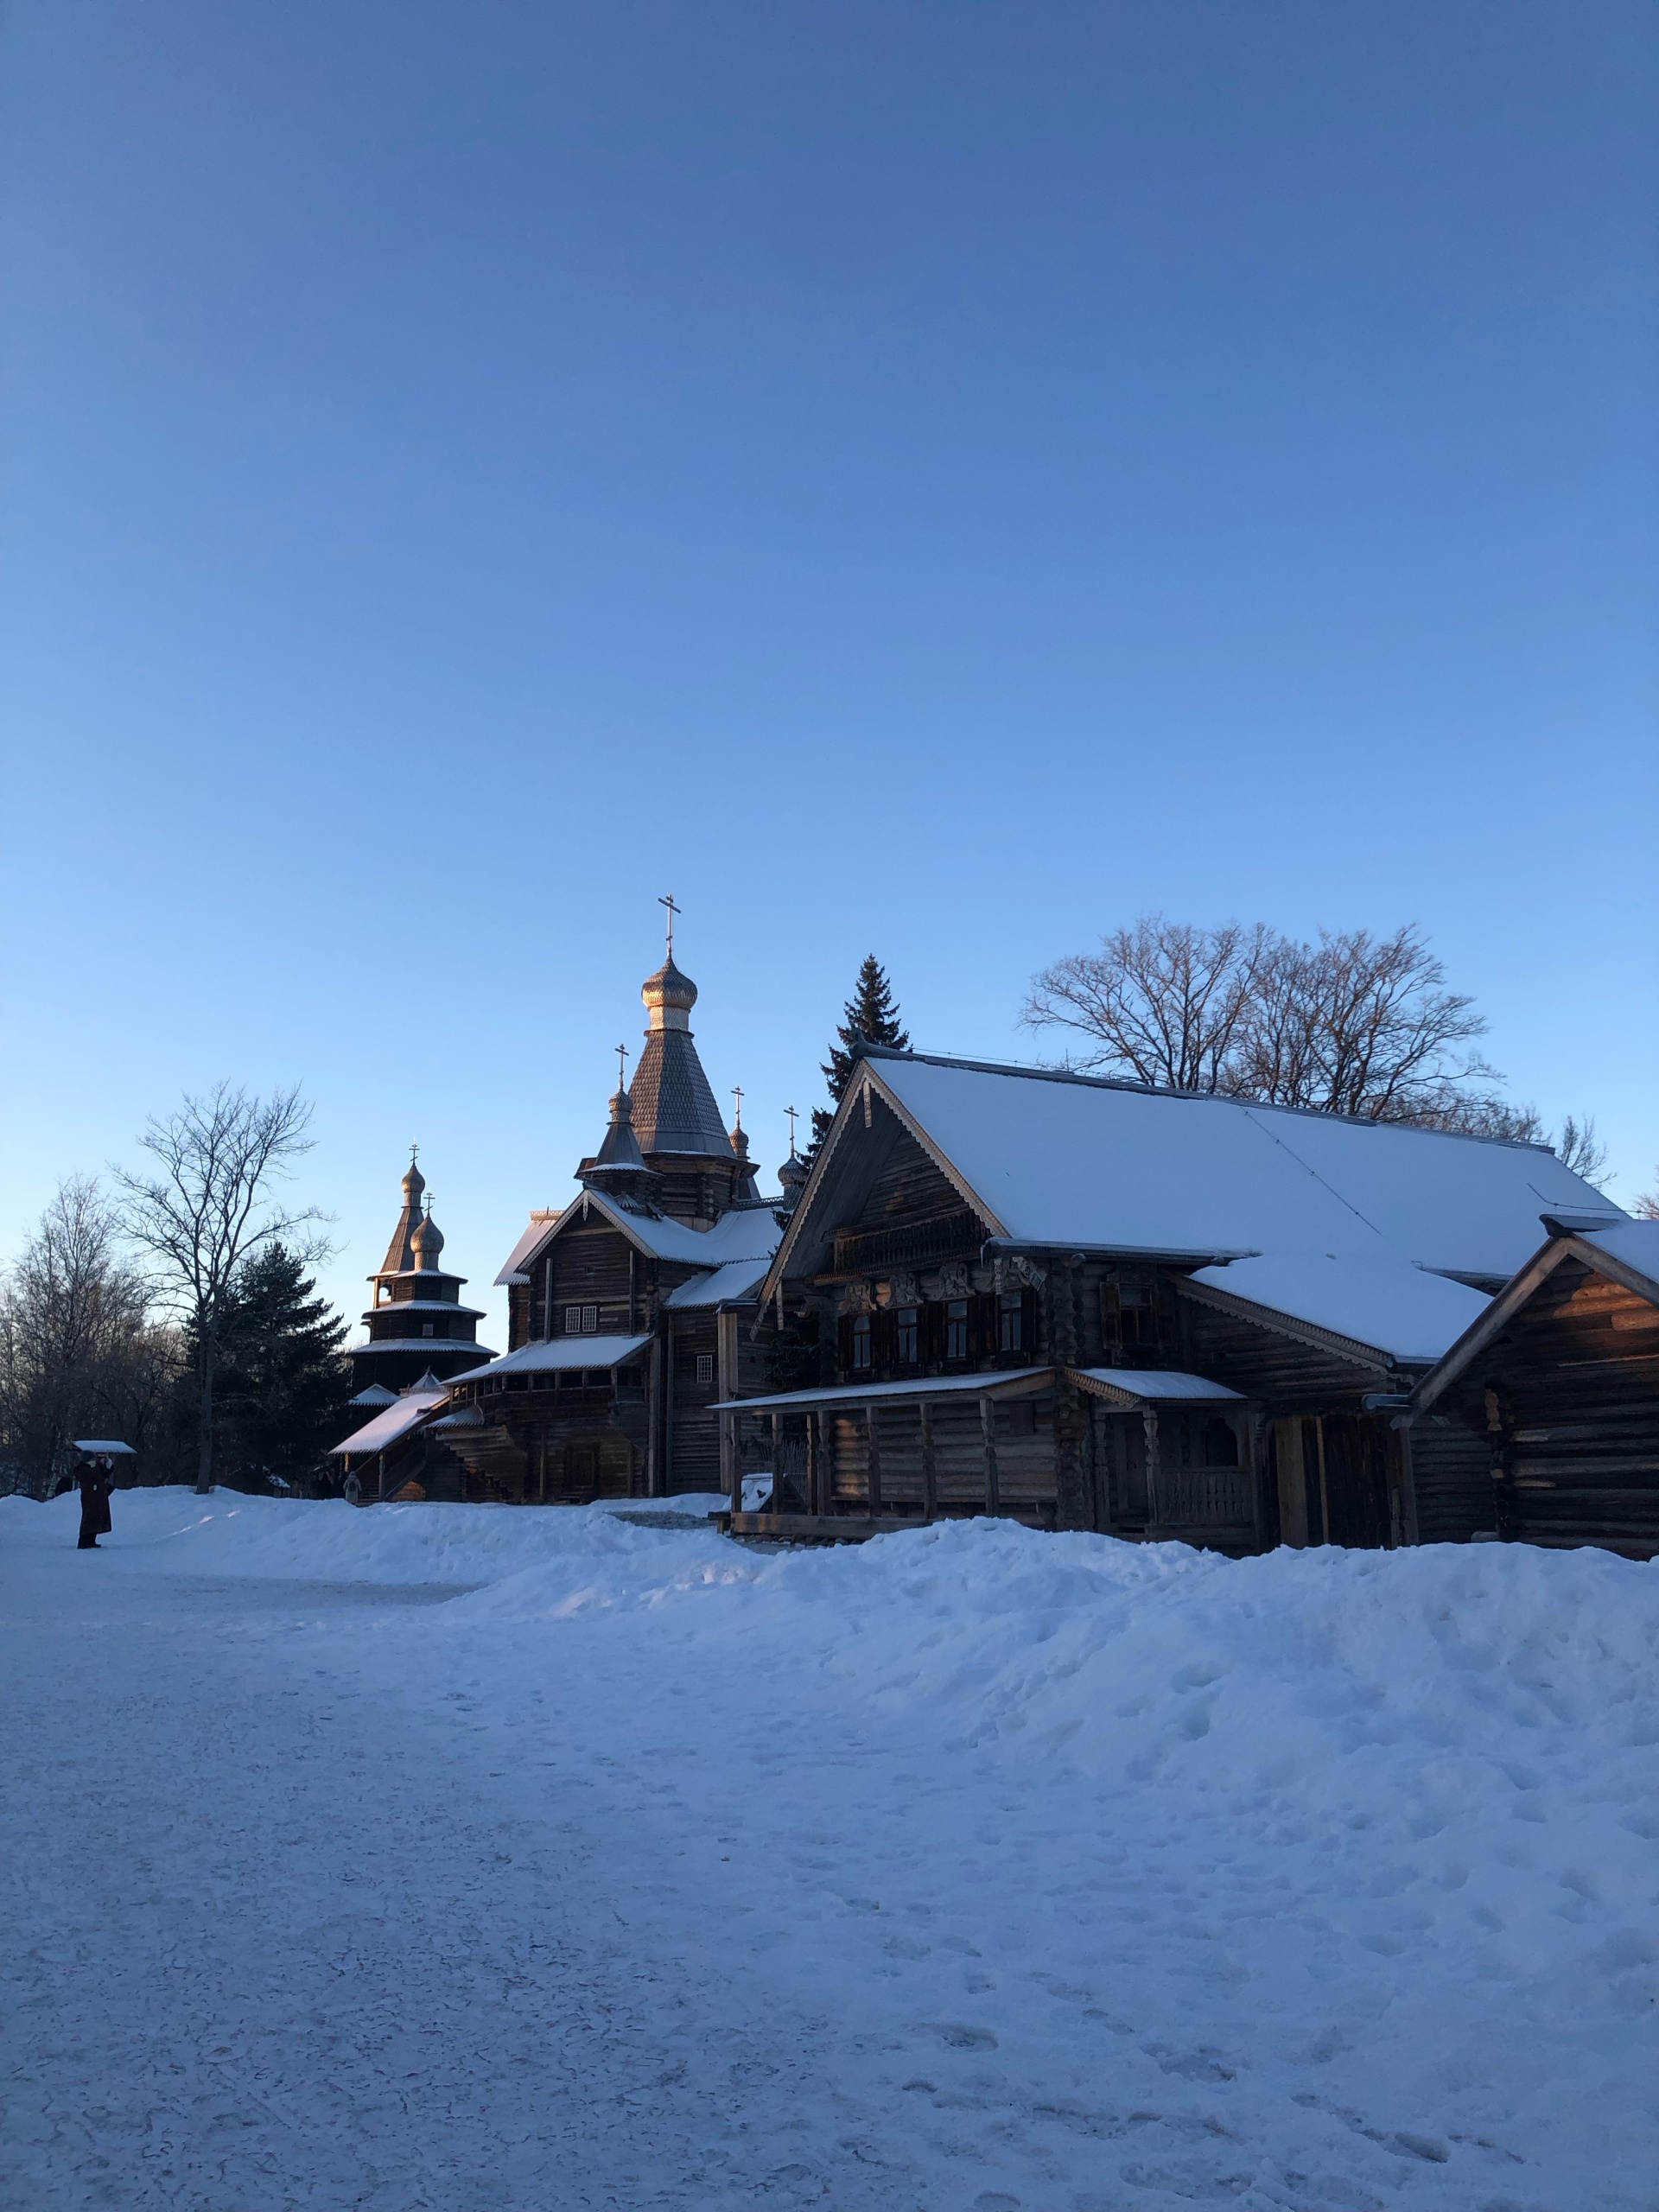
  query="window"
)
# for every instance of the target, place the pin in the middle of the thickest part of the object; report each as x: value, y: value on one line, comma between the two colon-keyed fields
x: 906, y: 1339
x: 581, y: 1321
x: 956, y: 1329
x: 862, y: 1341
x: 1011, y: 1321
x: 1220, y: 1444
x: 1130, y: 1317
x: 426, y: 1328
x: 705, y: 1367
x: 1139, y: 1319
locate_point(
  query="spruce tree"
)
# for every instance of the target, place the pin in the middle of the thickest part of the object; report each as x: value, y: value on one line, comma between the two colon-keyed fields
x: 282, y: 1383
x: 871, y: 1013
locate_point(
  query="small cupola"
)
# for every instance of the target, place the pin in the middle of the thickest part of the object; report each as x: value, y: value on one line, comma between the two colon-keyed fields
x: 427, y: 1244
x: 792, y: 1180
x: 618, y: 1166
x: 669, y: 996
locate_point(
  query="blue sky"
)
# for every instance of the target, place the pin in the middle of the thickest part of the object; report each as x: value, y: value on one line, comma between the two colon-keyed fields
x: 933, y: 479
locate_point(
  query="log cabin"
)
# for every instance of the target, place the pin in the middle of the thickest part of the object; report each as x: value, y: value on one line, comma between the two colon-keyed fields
x: 1554, y: 1390
x: 1088, y: 1303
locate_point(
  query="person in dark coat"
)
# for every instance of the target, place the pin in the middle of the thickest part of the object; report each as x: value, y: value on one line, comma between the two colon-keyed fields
x: 92, y: 1481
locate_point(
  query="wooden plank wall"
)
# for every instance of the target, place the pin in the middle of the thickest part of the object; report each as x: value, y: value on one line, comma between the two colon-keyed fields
x: 1575, y: 1378
x: 1451, y: 1476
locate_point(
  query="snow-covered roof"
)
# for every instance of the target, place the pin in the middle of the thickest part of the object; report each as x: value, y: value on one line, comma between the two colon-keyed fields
x: 1153, y: 1386
x: 386, y: 1428
x: 1013, y: 1381
x: 744, y: 1233
x: 513, y: 1267
x: 561, y: 1352
x: 1074, y: 1161
x: 428, y: 1347
x: 735, y: 1284
x: 401, y: 1305
x: 1149, y: 1385
x: 1635, y: 1243
x: 1384, y: 1306
x: 374, y: 1394
x: 462, y: 1417
x: 107, y: 1447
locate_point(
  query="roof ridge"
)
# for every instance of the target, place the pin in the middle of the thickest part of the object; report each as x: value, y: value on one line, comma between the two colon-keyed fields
x: 864, y: 1050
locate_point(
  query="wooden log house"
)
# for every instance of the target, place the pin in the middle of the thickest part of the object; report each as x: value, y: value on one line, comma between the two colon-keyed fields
x: 1554, y: 1390
x: 1086, y: 1304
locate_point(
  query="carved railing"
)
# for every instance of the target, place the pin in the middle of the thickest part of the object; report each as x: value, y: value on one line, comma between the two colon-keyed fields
x: 869, y: 1251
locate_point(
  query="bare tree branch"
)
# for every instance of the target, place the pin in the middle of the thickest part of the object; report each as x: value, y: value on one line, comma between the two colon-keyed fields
x: 1358, y: 1024
x: 1162, y: 1002
x: 210, y: 1208
x: 78, y: 1354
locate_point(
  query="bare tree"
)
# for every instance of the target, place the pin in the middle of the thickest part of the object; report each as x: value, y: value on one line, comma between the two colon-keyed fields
x: 210, y: 1208
x: 1162, y: 1002
x: 78, y: 1352
x: 1358, y: 1024
x: 1647, y: 1206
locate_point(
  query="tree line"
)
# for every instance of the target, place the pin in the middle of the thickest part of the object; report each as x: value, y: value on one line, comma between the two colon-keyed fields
x: 175, y: 1312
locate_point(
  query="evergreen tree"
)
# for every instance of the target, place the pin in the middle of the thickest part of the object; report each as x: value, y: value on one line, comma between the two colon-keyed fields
x: 282, y: 1383
x: 871, y: 1013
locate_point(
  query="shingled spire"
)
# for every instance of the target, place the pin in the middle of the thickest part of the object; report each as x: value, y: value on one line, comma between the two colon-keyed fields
x: 400, y: 1252
x: 674, y: 1109
x: 617, y: 1166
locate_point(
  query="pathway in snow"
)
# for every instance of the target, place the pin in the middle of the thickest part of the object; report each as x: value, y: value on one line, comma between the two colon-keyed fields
x: 669, y: 1877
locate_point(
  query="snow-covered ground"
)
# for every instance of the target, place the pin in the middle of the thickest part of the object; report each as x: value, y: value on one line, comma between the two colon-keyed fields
x: 461, y: 1858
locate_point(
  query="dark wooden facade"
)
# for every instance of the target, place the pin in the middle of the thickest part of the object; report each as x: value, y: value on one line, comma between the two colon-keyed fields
x: 1555, y: 1396
x: 901, y: 1283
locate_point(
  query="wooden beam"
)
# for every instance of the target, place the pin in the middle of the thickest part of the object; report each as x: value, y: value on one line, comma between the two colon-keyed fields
x: 987, y: 1432
x: 733, y: 1452
x: 777, y: 1459
x: 930, y: 1464
x: 873, y: 1457
x: 1155, y: 1503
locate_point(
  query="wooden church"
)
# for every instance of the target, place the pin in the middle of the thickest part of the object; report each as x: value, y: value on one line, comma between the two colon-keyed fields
x: 419, y: 1331
x: 631, y: 1310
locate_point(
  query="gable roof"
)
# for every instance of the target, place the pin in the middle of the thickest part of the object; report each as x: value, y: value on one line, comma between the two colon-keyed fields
x: 1386, y: 1306
x: 743, y: 1233
x: 737, y: 1283
x: 411, y: 1407
x: 1076, y: 1162
x: 1627, y: 1254
x: 552, y: 1355
x: 1633, y: 1246
x: 513, y: 1267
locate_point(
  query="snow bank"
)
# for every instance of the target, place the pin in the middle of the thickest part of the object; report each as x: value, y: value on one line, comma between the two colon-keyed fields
x: 1332, y: 1869
x: 173, y: 1531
